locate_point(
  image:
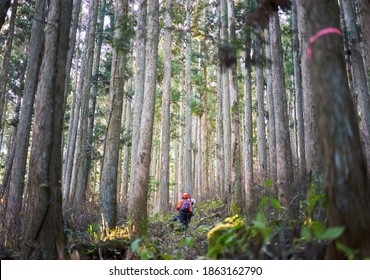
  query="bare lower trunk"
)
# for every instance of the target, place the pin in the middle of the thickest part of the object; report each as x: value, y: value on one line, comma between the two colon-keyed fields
x: 109, y: 173
x: 358, y: 76
x: 365, y: 12
x: 188, y: 184
x: 313, y: 154
x: 346, y: 181
x: 248, y: 146
x: 271, y: 122
x: 165, y: 132
x: 4, y: 6
x: 139, y: 216
x: 18, y: 170
x: 225, y: 102
x: 138, y: 95
x: 44, y: 238
x: 261, y: 133
x: 4, y: 72
x: 283, y: 153
x: 299, y: 93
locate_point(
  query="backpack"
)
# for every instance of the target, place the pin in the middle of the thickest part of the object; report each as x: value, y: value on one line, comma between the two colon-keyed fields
x: 185, y: 207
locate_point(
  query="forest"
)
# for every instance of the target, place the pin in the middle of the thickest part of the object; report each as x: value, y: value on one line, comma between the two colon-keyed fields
x: 114, y: 114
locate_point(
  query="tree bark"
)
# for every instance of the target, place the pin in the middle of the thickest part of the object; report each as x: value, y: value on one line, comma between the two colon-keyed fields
x: 365, y: 12
x: 271, y: 121
x: 109, y: 173
x: 140, y: 39
x: 205, y: 138
x: 225, y: 101
x: 4, y: 72
x: 43, y: 238
x: 236, y: 181
x: 94, y: 93
x: 188, y: 182
x: 346, y: 181
x: 261, y: 133
x: 139, y: 217
x: 18, y: 170
x: 80, y: 182
x: 283, y: 152
x: 165, y: 130
x: 220, y: 162
x: 313, y: 154
x: 358, y: 76
x: 69, y: 154
x: 4, y: 6
x: 248, y: 146
x: 126, y: 150
x: 70, y: 173
x: 299, y: 92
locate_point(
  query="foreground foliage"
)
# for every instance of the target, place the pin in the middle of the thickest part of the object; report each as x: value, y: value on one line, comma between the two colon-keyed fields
x: 213, y: 234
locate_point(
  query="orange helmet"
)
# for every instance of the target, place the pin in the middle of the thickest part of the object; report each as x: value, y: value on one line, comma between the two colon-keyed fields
x: 185, y: 195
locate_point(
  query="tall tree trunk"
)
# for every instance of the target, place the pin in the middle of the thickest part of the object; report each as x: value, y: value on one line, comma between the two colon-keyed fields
x: 165, y: 131
x: 204, y: 138
x: 365, y: 12
x: 71, y: 158
x: 140, y: 39
x: 81, y: 179
x: 4, y: 72
x: 83, y: 149
x: 248, y: 146
x: 358, y: 75
x: 181, y: 174
x: 43, y: 238
x: 283, y: 153
x: 139, y: 216
x: 225, y: 100
x: 298, y: 91
x: 126, y: 150
x: 109, y: 173
x: 313, y: 154
x: 261, y: 132
x: 188, y: 184
x: 220, y: 161
x: 18, y: 170
x: 175, y: 175
x: 4, y: 6
x: 270, y: 99
x: 346, y: 182
x: 94, y: 93
x: 236, y: 182
x: 69, y: 154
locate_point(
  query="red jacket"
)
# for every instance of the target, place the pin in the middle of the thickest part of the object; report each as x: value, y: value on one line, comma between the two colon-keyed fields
x: 180, y: 204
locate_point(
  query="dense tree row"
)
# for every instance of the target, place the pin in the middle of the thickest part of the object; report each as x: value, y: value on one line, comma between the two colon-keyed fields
x: 127, y: 104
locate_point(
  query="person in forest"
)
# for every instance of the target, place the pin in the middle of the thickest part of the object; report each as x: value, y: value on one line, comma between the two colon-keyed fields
x: 185, y: 210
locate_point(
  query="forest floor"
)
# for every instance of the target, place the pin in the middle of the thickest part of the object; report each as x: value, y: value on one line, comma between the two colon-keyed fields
x: 212, y: 234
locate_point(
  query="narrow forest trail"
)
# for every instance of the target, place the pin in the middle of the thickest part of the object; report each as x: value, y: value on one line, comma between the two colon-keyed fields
x: 173, y: 242
x: 212, y: 234
x: 165, y: 240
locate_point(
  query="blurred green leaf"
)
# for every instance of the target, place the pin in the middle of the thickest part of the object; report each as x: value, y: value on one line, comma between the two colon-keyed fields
x: 331, y: 233
x: 267, y: 183
x: 306, y: 233
x: 260, y: 221
x: 188, y: 241
x: 135, y: 245
x: 276, y: 204
x: 262, y: 201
